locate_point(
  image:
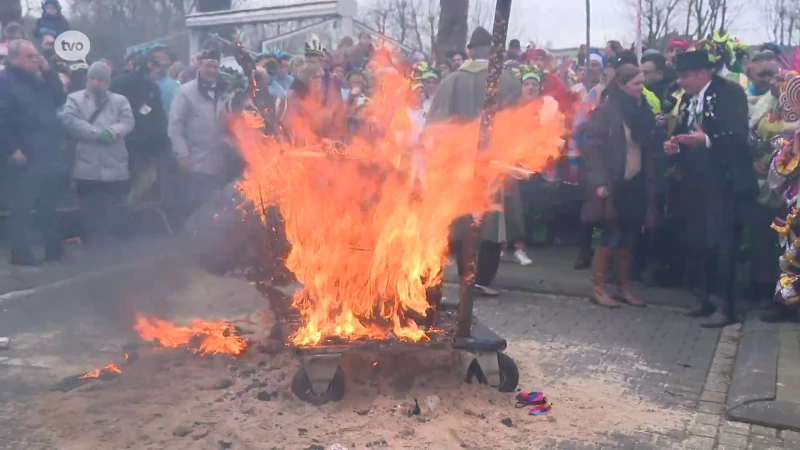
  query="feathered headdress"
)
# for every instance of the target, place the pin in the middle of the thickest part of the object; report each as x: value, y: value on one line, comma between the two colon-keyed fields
x: 725, y: 50
x: 235, y: 80
x: 314, y: 47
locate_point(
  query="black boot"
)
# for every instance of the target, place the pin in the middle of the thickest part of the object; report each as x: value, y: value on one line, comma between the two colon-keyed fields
x: 779, y: 313
x: 703, y: 308
x: 718, y: 320
x: 24, y: 258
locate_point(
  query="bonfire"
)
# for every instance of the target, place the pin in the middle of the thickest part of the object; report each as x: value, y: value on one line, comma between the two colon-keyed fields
x: 368, y: 229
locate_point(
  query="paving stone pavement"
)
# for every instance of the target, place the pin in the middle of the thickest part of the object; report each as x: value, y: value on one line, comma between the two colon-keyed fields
x: 654, y: 352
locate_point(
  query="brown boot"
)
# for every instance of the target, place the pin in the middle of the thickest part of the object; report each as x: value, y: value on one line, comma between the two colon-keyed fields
x: 600, y: 269
x: 624, y: 279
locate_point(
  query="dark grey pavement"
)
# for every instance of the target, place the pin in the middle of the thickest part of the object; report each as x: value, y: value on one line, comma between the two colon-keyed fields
x: 552, y: 273
x: 654, y: 353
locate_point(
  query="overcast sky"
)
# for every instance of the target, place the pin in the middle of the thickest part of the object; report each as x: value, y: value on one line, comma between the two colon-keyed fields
x: 562, y: 22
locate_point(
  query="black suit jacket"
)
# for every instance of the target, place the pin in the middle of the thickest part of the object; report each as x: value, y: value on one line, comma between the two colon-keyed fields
x: 724, y: 121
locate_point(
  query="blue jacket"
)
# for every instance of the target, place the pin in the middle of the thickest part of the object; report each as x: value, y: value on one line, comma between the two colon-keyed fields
x: 54, y: 25
x: 29, y: 119
x: 167, y: 86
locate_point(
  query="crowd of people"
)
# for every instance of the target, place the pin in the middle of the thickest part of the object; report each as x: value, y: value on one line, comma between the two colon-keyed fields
x: 674, y: 149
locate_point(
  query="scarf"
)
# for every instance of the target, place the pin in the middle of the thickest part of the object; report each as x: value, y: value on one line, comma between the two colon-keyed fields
x: 636, y: 113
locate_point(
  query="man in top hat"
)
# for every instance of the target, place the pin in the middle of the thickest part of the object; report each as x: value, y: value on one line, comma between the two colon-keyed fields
x: 717, y: 180
x: 461, y: 96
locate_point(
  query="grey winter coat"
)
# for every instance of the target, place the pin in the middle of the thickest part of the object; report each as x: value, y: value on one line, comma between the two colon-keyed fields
x: 195, y: 131
x: 94, y: 159
x: 461, y: 97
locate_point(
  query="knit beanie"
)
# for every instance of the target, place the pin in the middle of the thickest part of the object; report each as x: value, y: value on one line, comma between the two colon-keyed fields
x: 100, y: 71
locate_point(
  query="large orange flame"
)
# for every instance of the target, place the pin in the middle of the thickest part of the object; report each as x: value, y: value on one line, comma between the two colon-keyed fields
x: 369, y: 230
x: 201, y: 336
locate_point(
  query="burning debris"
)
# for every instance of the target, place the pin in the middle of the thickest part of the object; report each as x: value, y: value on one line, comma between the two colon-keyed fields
x: 368, y: 220
x: 111, y: 368
x: 201, y: 336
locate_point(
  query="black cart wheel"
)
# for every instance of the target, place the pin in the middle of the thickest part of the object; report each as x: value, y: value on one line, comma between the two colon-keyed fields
x: 301, y: 387
x: 509, y: 373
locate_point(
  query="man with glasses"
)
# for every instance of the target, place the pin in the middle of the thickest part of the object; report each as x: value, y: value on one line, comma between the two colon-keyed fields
x: 761, y: 72
x: 34, y: 150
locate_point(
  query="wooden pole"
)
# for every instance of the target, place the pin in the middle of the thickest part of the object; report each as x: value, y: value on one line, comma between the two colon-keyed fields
x: 502, y: 13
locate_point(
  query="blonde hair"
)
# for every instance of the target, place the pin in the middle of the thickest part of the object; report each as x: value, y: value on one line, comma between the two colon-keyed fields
x: 294, y: 65
x: 175, y: 70
x: 307, y: 71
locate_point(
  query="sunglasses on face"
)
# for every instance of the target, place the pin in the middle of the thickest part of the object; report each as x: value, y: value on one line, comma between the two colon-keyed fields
x: 767, y: 74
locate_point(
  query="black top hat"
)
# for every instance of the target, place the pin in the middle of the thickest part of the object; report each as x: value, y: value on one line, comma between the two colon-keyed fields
x: 696, y: 60
x: 480, y: 38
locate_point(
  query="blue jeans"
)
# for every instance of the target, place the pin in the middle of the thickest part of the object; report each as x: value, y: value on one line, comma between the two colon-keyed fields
x: 32, y: 186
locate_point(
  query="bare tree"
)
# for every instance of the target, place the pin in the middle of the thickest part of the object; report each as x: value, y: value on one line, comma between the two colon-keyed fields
x: 10, y: 11
x: 708, y: 16
x: 452, y: 32
x: 379, y: 16
x: 401, y: 17
x: 481, y: 14
x: 781, y: 16
x: 658, y: 18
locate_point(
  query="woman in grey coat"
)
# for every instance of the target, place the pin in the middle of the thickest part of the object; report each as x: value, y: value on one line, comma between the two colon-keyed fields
x: 98, y: 121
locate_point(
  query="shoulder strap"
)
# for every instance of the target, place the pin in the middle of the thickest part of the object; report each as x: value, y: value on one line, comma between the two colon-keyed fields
x: 99, y: 109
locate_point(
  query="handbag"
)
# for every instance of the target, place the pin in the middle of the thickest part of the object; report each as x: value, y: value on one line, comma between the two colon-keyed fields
x: 597, y: 210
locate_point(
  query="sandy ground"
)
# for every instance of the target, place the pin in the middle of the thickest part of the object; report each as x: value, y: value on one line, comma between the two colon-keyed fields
x: 173, y: 399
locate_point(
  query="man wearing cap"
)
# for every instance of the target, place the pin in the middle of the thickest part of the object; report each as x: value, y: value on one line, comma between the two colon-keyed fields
x: 197, y: 135
x: 717, y: 180
x: 675, y: 48
x: 461, y: 96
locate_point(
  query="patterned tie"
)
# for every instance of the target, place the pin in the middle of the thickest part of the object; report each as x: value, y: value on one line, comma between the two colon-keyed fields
x: 694, y: 116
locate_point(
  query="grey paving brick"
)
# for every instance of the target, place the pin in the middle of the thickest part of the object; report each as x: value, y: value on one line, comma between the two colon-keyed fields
x: 699, y: 443
x: 711, y: 408
x: 716, y: 397
x: 726, y: 428
x: 734, y: 440
x: 764, y: 431
x: 708, y: 419
x: 764, y: 443
x: 717, y: 387
x: 703, y: 430
x: 790, y: 435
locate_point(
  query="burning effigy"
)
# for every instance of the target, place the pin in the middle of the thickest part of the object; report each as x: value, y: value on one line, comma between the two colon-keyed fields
x: 368, y: 219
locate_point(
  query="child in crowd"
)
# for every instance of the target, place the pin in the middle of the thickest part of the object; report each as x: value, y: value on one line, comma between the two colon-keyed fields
x: 52, y: 21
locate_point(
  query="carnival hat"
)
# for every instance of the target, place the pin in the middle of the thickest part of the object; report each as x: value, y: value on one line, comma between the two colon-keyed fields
x: 696, y: 60
x: 314, y: 47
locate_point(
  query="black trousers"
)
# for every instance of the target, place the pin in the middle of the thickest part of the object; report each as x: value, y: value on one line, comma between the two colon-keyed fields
x: 101, y: 206
x: 30, y: 186
x: 487, y: 264
x: 714, y: 221
x: 764, y: 245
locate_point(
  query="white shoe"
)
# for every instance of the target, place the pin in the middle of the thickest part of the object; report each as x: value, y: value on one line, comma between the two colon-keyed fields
x: 522, y: 257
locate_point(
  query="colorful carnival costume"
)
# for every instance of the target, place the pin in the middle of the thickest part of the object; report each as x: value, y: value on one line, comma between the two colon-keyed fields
x: 784, y: 178
x: 730, y: 55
